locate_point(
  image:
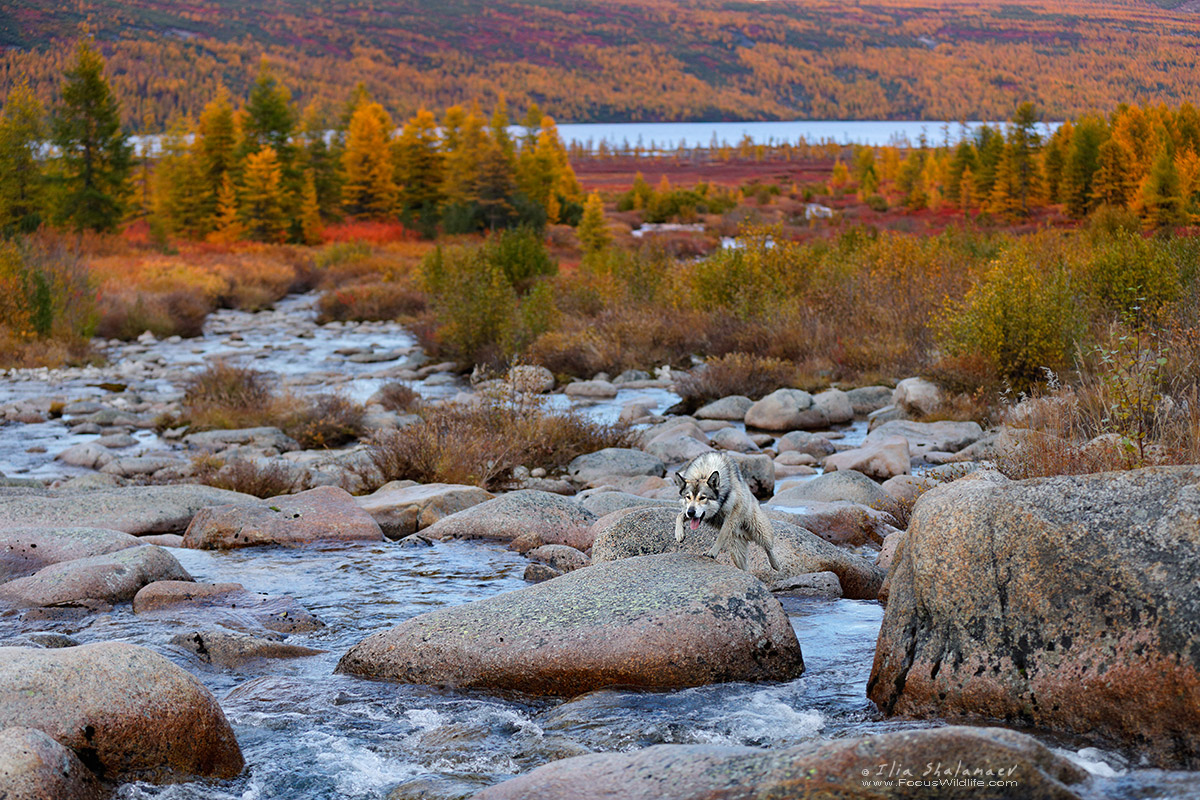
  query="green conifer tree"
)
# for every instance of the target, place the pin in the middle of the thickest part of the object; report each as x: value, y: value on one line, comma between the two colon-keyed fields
x: 22, y: 190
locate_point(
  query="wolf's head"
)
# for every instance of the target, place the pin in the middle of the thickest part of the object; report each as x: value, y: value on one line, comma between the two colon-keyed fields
x: 699, y: 496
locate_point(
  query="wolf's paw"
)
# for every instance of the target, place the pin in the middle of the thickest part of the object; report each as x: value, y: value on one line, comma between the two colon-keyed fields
x: 713, y: 556
x: 679, y: 538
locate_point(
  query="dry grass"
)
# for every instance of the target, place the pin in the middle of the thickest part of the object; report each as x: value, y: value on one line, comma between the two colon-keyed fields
x: 481, y: 444
x: 370, y: 302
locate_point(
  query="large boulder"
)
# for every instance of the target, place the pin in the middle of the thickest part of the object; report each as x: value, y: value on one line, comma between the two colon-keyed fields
x: 866, y: 399
x: 928, y: 764
x: 1069, y: 603
x: 602, y: 502
x: 403, y: 508
x: 133, y: 509
x: 227, y: 604
x: 836, y: 405
x: 35, y: 767
x: 734, y: 439
x: 646, y: 531
x: 786, y: 410
x: 917, y: 397
x: 656, y: 622
x: 832, y: 487
x: 531, y: 379
x: 109, y: 578
x: 881, y: 459
x: 23, y: 551
x: 133, y: 713
x: 527, y: 518
x: 234, y: 650
x: 677, y: 448
x: 814, y: 444
x: 923, y: 437
x: 732, y: 408
x: 841, y: 523
x: 264, y: 438
x: 321, y: 514
x: 614, y: 462
x: 758, y: 470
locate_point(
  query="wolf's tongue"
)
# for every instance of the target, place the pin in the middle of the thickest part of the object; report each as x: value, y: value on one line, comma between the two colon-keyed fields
x: 695, y: 523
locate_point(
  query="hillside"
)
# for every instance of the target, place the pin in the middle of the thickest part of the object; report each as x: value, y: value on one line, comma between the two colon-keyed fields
x: 608, y: 60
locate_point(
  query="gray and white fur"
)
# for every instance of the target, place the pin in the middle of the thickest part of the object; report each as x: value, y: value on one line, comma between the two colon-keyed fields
x: 713, y: 491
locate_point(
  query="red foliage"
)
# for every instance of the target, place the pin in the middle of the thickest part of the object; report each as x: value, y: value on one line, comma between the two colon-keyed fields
x: 374, y: 231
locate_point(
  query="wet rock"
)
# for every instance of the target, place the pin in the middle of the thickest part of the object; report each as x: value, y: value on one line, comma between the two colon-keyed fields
x: 813, y: 444
x: 786, y: 410
x: 24, y: 551
x: 326, y: 513
x: 866, y: 399
x: 230, y: 605
x: 732, y: 439
x: 264, y: 437
x: 924, y: 437
x: 402, y: 508
x: 526, y: 518
x: 233, y: 650
x: 881, y: 459
x: 731, y: 408
x: 132, y: 713
x: 646, y: 531
x: 848, y: 486
x: 1070, y: 603
x: 917, y: 397
x: 882, y: 415
x: 135, y: 509
x: 841, y: 523
x: 35, y: 767
x: 116, y: 441
x: 604, y: 502
x: 50, y: 640
x: 887, y: 553
x: 614, y: 462
x: 636, y: 410
x: 560, y: 557
x: 531, y: 379
x: 163, y: 539
x: 758, y: 470
x: 110, y: 578
x: 92, y: 480
x: 836, y: 405
x: 536, y: 573
x: 810, y: 584
x: 816, y: 769
x: 654, y: 622
x: 88, y: 456
x: 794, y: 458
x: 414, y: 540
x: 596, y: 389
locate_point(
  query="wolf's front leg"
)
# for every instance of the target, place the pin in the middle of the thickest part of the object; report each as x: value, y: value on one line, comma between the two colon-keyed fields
x: 724, y: 539
x: 679, y: 528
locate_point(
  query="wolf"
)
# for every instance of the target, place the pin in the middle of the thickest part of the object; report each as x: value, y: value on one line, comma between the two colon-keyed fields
x: 712, y: 490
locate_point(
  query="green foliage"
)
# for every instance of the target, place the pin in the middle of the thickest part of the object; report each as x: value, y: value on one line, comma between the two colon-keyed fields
x: 520, y: 254
x: 746, y: 281
x: 22, y: 191
x: 1127, y: 271
x: 44, y: 293
x: 96, y: 158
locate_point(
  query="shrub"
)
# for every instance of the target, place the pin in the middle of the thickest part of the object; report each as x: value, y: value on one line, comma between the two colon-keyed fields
x: 324, y: 420
x: 1128, y: 271
x: 226, y: 396
x: 397, y: 396
x: 734, y: 373
x: 1022, y: 319
x: 481, y: 444
x: 45, y: 295
x: 127, y: 314
x: 257, y: 478
x: 521, y: 256
x: 370, y: 301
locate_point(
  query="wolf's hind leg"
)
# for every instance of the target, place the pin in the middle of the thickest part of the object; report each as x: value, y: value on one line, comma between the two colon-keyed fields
x: 740, y: 551
x: 763, y: 532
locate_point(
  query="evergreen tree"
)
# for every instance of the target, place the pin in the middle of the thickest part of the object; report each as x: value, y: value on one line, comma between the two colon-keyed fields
x: 499, y: 131
x: 865, y: 173
x: 270, y: 119
x: 1112, y: 184
x: 1054, y: 160
x: 214, y: 150
x: 369, y: 186
x: 495, y: 186
x: 22, y: 191
x: 545, y: 175
x: 1161, y: 195
x: 464, y: 154
x: 962, y: 163
x: 262, y: 197
x: 1020, y: 149
x: 593, y: 227
x: 180, y: 189
x: 989, y: 150
x: 96, y: 158
x: 322, y: 161
x: 419, y: 163
x: 1005, y: 199
x: 1081, y: 164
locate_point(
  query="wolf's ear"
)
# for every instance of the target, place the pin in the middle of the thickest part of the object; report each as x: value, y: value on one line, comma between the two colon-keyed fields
x: 714, y: 480
x: 679, y: 480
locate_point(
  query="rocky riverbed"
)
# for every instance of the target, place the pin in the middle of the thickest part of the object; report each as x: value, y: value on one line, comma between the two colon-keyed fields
x: 436, y: 641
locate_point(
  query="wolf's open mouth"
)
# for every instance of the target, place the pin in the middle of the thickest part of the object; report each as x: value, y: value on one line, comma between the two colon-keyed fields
x: 695, y: 523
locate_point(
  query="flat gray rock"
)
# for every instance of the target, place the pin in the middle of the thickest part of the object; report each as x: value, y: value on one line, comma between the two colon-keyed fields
x: 655, y: 622
x: 24, y: 551
x: 526, y: 518
x: 133, y: 509
x: 112, y: 578
x: 614, y: 462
